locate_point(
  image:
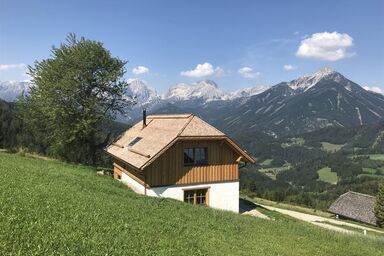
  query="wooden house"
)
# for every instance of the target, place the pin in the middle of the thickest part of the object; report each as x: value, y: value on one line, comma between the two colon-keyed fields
x: 355, y: 206
x: 181, y: 157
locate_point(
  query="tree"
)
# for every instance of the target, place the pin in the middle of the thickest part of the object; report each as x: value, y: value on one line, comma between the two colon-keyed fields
x: 379, y: 207
x: 73, y: 94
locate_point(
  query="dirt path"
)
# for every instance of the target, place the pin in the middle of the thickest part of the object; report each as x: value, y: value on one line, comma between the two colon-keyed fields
x: 319, y: 221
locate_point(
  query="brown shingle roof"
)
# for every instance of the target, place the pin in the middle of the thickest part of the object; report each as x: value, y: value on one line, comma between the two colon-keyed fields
x: 159, y: 134
x: 355, y: 206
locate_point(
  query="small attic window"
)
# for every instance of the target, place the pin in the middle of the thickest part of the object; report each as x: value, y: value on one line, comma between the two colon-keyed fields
x: 133, y: 142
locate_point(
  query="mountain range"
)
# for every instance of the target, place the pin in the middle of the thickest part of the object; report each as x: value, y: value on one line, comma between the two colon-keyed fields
x: 308, y: 103
x: 10, y: 90
x: 305, y: 104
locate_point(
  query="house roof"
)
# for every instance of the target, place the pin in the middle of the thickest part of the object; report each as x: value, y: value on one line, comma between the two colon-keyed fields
x: 355, y: 206
x: 140, y: 146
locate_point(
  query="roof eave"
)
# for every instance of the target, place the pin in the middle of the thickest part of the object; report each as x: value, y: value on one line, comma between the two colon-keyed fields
x: 125, y: 162
x: 233, y: 144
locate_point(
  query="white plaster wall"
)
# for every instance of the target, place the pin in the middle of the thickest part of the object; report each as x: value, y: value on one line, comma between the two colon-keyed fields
x: 134, y: 185
x: 223, y: 195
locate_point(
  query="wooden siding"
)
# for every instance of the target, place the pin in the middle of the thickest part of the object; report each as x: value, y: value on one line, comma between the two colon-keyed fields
x: 169, y: 168
x: 121, y: 167
x: 116, y: 172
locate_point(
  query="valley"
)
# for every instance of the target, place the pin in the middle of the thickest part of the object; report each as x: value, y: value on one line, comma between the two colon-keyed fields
x: 307, y: 155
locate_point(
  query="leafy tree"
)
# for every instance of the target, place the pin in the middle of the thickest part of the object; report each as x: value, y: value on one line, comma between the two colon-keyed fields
x: 75, y: 93
x: 379, y: 207
x: 10, y: 126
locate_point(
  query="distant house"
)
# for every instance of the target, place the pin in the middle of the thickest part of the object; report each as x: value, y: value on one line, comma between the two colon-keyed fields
x: 180, y: 157
x: 355, y: 206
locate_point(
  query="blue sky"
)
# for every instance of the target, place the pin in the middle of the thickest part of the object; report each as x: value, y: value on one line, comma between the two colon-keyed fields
x: 235, y: 43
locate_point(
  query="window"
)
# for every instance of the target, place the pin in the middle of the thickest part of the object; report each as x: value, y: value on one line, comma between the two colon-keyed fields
x: 195, y: 156
x: 196, y: 197
x: 188, y: 156
x: 133, y: 142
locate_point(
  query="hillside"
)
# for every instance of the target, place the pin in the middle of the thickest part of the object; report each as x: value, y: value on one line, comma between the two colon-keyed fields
x: 314, y: 168
x: 49, y: 207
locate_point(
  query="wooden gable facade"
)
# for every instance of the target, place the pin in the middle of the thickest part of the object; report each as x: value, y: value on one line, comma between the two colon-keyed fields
x: 169, y: 168
x: 152, y: 153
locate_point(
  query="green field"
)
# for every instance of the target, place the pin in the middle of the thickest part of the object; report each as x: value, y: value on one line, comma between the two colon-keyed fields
x: 326, y: 175
x: 273, y: 171
x: 53, y: 208
x: 377, y: 157
x: 329, y: 147
x: 266, y: 162
x: 293, y: 142
x: 369, y: 170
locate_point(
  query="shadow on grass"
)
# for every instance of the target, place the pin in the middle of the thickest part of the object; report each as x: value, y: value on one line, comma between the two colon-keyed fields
x: 246, y: 206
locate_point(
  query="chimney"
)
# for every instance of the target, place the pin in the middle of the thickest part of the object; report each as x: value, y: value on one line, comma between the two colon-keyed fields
x: 144, y: 118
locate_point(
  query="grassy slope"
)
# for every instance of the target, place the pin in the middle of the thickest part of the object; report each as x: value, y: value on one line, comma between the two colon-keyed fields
x: 326, y: 175
x: 48, y: 207
x: 331, y: 147
x: 292, y: 207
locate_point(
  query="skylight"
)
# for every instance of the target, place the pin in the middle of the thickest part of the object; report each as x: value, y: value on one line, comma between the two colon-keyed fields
x: 133, y: 142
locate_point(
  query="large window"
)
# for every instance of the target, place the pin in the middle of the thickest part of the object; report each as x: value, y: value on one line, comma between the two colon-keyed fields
x: 195, y: 156
x: 196, y: 196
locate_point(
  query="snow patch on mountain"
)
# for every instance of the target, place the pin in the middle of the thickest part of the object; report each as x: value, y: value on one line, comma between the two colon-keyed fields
x: 141, y: 92
x: 247, y: 92
x: 206, y: 90
x: 304, y: 83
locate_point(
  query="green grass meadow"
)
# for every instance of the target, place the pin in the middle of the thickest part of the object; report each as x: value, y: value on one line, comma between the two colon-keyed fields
x: 326, y: 175
x: 53, y: 208
x: 379, y: 157
x: 329, y: 147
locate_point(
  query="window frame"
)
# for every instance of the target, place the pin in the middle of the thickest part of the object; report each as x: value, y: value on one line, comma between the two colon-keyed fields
x: 134, y: 141
x: 195, y: 190
x: 194, y: 163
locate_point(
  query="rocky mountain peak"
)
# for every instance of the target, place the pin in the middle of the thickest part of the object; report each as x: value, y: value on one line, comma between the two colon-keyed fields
x: 306, y: 82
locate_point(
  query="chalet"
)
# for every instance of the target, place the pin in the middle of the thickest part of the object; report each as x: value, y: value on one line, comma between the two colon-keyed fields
x: 180, y: 157
x: 355, y: 206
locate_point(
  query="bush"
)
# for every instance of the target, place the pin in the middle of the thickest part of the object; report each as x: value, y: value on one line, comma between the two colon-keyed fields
x: 379, y: 207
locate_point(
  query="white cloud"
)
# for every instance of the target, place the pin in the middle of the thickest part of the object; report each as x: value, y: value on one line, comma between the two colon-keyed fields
x: 248, y: 72
x: 139, y: 70
x: 203, y: 70
x: 219, y: 72
x: 296, y: 33
x: 289, y: 67
x: 326, y: 46
x: 374, y: 89
x: 12, y: 66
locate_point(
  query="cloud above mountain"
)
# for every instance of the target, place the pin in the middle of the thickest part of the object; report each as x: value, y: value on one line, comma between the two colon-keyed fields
x: 289, y: 67
x: 139, y: 70
x: 248, y: 72
x: 375, y: 89
x: 203, y: 70
x: 326, y: 46
x: 12, y: 66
